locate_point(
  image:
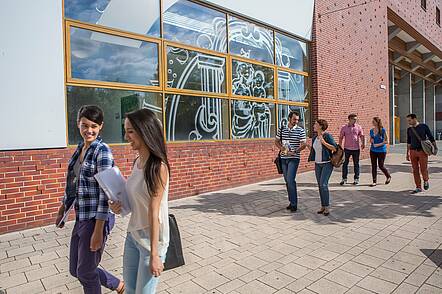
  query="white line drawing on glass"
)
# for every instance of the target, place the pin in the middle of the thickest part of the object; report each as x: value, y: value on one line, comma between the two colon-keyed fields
x: 291, y: 87
x: 251, y: 119
x: 283, y: 113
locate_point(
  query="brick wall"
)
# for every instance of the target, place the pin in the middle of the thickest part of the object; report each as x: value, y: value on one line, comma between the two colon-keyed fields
x: 32, y: 182
x: 423, y: 21
x: 350, y: 62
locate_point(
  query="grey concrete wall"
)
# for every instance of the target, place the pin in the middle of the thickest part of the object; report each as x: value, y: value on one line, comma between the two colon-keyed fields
x: 403, y: 103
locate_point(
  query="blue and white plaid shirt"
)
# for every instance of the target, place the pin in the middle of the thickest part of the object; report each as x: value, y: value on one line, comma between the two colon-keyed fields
x: 91, y: 199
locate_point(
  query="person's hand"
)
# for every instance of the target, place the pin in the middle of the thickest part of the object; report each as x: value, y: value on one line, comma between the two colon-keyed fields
x: 156, y: 266
x: 115, y: 206
x: 96, y: 240
x: 407, y: 157
x: 291, y: 153
x: 363, y: 146
x: 59, y: 217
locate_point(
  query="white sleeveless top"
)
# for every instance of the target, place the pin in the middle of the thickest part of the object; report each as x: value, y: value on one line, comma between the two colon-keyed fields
x: 139, y: 200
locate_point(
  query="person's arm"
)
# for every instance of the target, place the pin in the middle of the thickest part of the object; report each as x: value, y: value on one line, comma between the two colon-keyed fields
x: 408, y: 144
x: 156, y: 265
x: 341, y: 136
x: 104, y: 161
x: 329, y: 145
x: 429, y: 134
x: 278, y: 139
x: 303, y: 141
x: 362, y: 138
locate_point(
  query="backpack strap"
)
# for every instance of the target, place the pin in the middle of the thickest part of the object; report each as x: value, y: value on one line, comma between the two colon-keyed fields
x: 416, y: 134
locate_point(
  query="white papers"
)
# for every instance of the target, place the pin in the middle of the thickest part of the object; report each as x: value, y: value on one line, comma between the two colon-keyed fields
x: 65, y: 215
x: 114, y: 185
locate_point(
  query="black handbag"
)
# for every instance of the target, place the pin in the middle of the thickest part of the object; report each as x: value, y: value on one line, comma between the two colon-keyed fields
x: 278, y: 161
x: 174, y: 255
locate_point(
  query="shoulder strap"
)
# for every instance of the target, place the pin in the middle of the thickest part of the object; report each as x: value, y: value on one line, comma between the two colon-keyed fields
x: 413, y: 129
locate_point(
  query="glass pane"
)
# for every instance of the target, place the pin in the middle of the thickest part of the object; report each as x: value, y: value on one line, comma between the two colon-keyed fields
x: 194, y: 70
x: 193, y: 24
x: 115, y: 104
x: 250, y: 41
x: 292, y: 87
x: 304, y: 115
x: 136, y: 16
x: 103, y: 57
x: 252, y: 80
x: 190, y: 118
x: 252, y: 119
x: 291, y: 53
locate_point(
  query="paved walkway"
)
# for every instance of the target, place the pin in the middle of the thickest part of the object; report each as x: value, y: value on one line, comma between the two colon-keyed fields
x: 242, y: 240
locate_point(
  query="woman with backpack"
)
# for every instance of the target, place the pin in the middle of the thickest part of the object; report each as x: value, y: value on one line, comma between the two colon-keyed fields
x: 323, y: 146
x: 378, y: 150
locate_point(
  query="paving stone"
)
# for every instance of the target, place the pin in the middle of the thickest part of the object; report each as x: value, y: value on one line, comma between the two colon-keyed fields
x: 405, y: 289
x: 276, y: 280
x: 389, y: 275
x: 357, y: 269
x: 324, y: 286
x: 13, y: 265
x: 12, y: 281
x: 294, y: 270
x: 210, y: 280
x: 310, y: 262
x: 231, y: 286
x: 41, y: 273
x: 428, y: 289
x: 255, y: 287
x: 377, y: 285
x: 32, y: 287
x: 343, y: 278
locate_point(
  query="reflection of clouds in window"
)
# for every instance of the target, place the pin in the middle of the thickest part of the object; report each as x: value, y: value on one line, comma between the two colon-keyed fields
x: 290, y: 52
x: 250, y: 41
x: 194, y: 24
x: 292, y: 87
x: 105, y: 61
x: 137, y: 16
x: 252, y: 119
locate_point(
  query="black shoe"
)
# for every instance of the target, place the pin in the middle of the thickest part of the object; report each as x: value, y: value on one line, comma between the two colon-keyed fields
x: 293, y: 209
x: 426, y: 185
x: 343, y: 182
x: 356, y: 182
x: 289, y: 207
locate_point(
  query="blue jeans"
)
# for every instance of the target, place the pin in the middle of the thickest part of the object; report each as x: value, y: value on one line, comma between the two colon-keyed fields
x: 136, y: 268
x: 289, y: 169
x: 323, y: 172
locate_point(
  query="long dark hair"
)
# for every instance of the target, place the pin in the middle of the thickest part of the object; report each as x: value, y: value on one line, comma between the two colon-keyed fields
x: 150, y: 130
x: 379, y: 124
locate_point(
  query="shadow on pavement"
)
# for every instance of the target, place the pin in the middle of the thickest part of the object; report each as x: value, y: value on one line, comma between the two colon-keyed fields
x: 435, y: 255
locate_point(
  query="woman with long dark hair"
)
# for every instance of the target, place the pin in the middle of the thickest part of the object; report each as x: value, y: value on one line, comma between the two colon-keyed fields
x: 147, y: 238
x: 94, y: 221
x: 378, y: 150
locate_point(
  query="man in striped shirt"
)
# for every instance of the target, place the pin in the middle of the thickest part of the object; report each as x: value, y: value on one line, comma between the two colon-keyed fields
x: 291, y: 140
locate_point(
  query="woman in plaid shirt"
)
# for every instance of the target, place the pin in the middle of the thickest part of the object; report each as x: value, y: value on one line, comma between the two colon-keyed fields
x: 94, y: 221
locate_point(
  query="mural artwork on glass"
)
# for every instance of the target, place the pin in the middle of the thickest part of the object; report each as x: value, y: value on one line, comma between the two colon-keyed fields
x: 292, y: 87
x: 291, y: 53
x: 250, y: 41
x: 193, y: 24
x: 104, y: 57
x: 190, y: 118
x: 252, y: 119
x: 187, y: 69
x: 115, y: 104
x: 304, y: 115
x: 252, y: 80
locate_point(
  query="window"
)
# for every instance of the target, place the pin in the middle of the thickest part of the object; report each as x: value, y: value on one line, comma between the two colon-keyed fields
x: 251, y: 119
x: 291, y: 53
x: 438, y: 16
x: 109, y: 58
x: 304, y: 115
x: 140, y: 17
x: 424, y: 4
x: 187, y: 69
x: 292, y: 87
x: 190, y: 118
x: 250, y: 41
x: 253, y: 80
x: 206, y: 73
x: 115, y: 104
x: 196, y: 25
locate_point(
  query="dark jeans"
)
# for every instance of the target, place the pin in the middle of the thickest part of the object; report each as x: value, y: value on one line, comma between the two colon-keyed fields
x: 83, y: 263
x: 378, y: 158
x: 355, y: 155
x: 323, y: 172
x: 289, y: 169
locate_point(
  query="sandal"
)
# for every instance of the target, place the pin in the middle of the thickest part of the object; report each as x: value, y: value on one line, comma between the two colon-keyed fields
x: 326, y: 212
x: 321, y: 211
x: 388, y: 181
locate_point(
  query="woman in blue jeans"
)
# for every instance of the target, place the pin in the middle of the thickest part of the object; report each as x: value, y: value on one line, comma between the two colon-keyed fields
x: 147, y: 238
x: 323, y: 145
